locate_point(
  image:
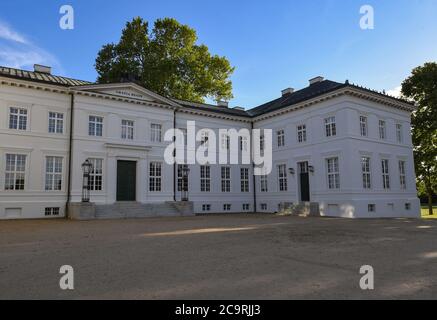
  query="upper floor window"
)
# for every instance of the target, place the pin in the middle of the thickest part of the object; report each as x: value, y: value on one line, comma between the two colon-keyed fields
x: 96, y: 174
x: 155, y: 132
x: 56, y: 122
x: 15, y: 171
x: 155, y: 176
x: 402, y: 176
x: 244, y: 174
x: 333, y: 173
x: 382, y: 130
x: 205, y: 178
x: 243, y: 141
x: 127, y: 129
x: 17, y: 118
x: 282, y: 177
x: 365, y: 169
x: 204, y: 138
x: 385, y: 174
x: 363, y: 126
x: 301, y: 133
x: 95, y: 126
x: 261, y: 143
x: 330, y: 127
x: 226, y: 179
x: 281, y: 137
x: 225, y: 141
x: 399, y: 136
x: 53, y: 173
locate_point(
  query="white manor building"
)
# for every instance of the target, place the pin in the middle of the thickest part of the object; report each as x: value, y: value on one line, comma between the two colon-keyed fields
x: 345, y: 149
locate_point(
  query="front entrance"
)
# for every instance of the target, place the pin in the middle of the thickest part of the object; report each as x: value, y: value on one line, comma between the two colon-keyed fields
x: 304, y: 181
x: 126, y: 180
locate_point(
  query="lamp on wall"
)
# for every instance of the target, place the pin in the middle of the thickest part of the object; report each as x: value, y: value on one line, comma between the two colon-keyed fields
x: 291, y: 170
x: 86, y: 169
x: 311, y: 169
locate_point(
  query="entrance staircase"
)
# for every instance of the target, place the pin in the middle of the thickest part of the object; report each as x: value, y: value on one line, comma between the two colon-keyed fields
x: 132, y: 209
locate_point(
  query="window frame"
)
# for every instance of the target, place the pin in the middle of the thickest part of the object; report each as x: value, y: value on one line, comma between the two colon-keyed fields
x: 225, y: 173
x: 53, y: 178
x: 330, y: 127
x: 58, y: 127
x: 333, y: 171
x: 19, y: 116
x: 155, y: 176
x: 282, y: 177
x: 301, y: 133
x: 127, y: 129
x: 21, y: 173
x: 205, y: 178
x: 156, y: 132
x: 244, y: 180
x: 95, y: 124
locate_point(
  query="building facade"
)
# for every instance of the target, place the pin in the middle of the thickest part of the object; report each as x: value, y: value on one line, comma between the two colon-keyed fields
x: 344, y: 147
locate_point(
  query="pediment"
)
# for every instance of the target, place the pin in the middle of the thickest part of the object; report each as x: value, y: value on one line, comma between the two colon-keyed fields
x: 129, y: 91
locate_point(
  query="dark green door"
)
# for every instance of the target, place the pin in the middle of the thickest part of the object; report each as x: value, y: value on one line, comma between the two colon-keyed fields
x: 126, y: 180
x: 304, y: 179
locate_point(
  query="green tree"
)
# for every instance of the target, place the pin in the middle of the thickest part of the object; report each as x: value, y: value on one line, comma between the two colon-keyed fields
x: 421, y: 87
x: 166, y: 60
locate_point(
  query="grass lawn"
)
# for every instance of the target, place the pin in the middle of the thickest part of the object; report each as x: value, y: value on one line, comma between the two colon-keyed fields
x: 425, y: 214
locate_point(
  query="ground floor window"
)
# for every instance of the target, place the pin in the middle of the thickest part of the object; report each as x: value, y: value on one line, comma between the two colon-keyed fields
x: 96, y: 174
x: 155, y: 176
x: 15, y: 171
x: 282, y: 177
x: 244, y: 174
x: 53, y: 173
x: 205, y: 178
x: 333, y: 173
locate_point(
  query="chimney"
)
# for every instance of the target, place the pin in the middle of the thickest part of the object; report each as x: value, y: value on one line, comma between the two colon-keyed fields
x: 42, y: 69
x: 238, y: 108
x: 221, y: 103
x: 287, y: 91
x: 316, y: 80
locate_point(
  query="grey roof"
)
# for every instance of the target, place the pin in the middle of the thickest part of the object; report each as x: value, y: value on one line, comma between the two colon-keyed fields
x: 312, y: 91
x: 40, y: 77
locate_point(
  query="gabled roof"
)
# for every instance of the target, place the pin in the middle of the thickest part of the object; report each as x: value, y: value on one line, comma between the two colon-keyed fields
x: 312, y: 91
x: 40, y: 77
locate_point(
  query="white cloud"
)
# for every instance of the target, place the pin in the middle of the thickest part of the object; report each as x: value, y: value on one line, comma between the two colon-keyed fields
x: 395, y: 92
x: 17, y: 51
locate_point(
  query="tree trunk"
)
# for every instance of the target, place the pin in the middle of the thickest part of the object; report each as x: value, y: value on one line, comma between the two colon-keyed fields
x: 430, y: 203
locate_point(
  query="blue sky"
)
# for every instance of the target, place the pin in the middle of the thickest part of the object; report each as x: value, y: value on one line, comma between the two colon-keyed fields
x: 272, y: 44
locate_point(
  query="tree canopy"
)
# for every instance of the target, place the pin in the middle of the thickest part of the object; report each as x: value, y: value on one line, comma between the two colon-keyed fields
x: 421, y: 87
x: 166, y: 60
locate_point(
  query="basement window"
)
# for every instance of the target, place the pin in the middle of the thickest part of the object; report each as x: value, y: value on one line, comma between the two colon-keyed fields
x: 51, y: 211
x: 226, y: 207
x: 263, y: 206
x: 408, y: 206
x: 206, y: 207
x: 371, y: 208
x: 246, y: 207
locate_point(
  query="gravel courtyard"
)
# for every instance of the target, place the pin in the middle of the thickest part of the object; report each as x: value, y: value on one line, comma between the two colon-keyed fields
x: 219, y: 257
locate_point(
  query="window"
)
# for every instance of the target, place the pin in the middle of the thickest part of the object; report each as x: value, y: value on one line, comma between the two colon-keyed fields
x: 333, y: 173
x: 385, y: 174
x: 225, y: 141
x: 51, y: 211
x: 96, y: 174
x: 301, y: 133
x: 402, y: 177
x: 226, y: 207
x: 363, y: 126
x: 155, y: 176
x: 204, y: 138
x: 244, y: 175
x: 15, y: 171
x: 17, y: 118
x: 206, y: 207
x: 281, y: 137
x: 53, y: 173
x: 127, y: 129
x: 382, y: 133
x: 264, y: 183
x: 182, y: 183
x: 365, y: 168
x: 155, y: 132
x: 56, y: 122
x: 243, y: 142
x: 408, y: 206
x: 330, y: 126
x: 282, y: 177
x: 95, y: 126
x: 226, y: 179
x: 205, y: 178
x: 399, y: 135
x: 371, y: 207
x: 246, y: 206
x: 184, y: 132
x: 263, y: 206
x: 261, y: 143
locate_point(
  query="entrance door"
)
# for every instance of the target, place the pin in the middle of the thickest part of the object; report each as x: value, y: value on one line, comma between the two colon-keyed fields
x: 304, y: 180
x: 126, y: 180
